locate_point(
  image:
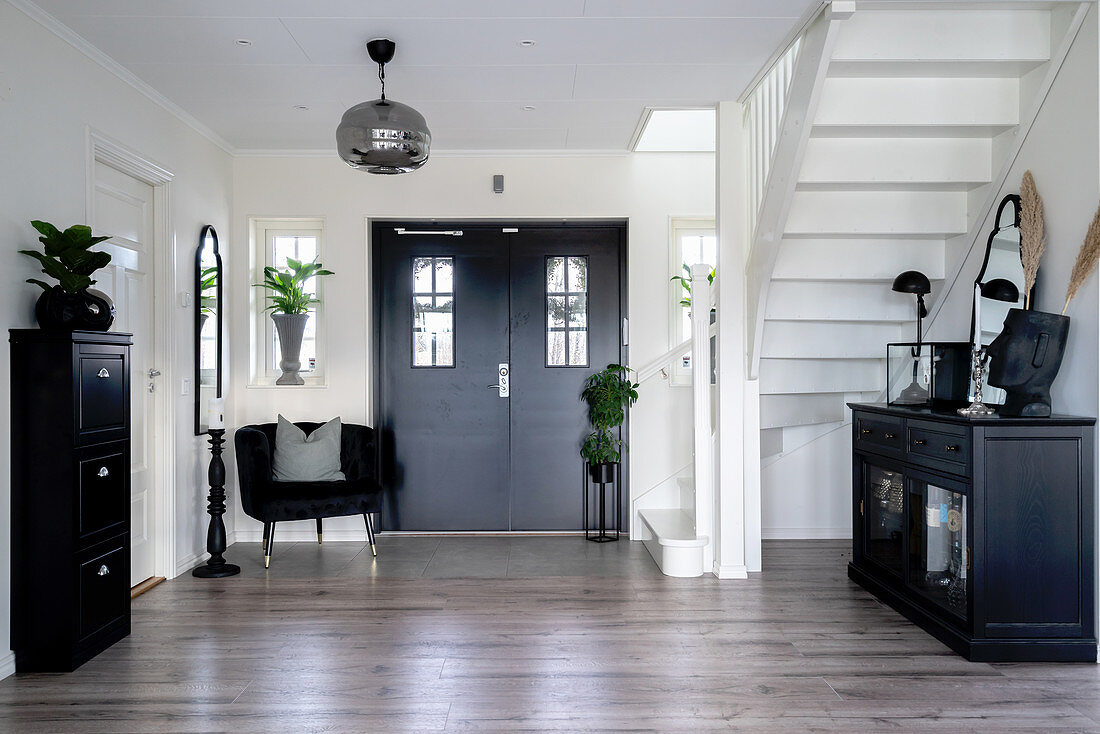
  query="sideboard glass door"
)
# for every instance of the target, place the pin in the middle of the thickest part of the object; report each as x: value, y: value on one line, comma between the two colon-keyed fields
x: 884, y: 517
x: 939, y: 552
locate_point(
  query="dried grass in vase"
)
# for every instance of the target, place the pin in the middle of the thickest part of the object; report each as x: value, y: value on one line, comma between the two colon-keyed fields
x: 1032, y: 238
x: 1086, y: 260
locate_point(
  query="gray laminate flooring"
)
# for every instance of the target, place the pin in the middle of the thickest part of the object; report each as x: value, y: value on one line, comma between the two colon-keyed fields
x: 534, y: 634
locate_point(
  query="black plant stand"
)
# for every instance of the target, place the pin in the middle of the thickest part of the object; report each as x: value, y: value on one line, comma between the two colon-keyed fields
x: 216, y: 567
x: 602, y: 536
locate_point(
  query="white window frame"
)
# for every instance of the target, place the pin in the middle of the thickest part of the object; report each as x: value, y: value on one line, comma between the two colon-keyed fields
x: 679, y: 227
x: 262, y: 357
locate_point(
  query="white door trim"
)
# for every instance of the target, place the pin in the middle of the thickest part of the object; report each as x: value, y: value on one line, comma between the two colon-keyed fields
x: 113, y: 153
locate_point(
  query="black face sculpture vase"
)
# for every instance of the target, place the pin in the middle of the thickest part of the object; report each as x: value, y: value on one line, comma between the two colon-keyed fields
x: 1025, y: 358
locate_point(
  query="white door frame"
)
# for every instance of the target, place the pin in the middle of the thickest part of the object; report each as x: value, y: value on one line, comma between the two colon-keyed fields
x: 113, y: 153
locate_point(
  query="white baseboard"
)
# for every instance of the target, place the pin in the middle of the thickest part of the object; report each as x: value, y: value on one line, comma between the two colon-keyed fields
x: 300, y: 535
x: 186, y: 564
x: 7, y: 665
x: 844, y: 533
x: 730, y: 571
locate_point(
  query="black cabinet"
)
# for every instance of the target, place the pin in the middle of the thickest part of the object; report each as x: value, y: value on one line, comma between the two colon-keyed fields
x: 980, y: 530
x: 70, y: 467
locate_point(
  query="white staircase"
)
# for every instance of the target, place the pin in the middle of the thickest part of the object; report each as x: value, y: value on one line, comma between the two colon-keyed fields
x: 894, y: 129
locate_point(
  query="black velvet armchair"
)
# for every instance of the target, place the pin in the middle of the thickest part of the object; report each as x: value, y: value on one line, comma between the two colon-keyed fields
x: 269, y: 501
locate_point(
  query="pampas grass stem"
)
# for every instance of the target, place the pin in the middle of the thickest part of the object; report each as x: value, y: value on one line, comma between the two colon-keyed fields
x: 1087, y: 258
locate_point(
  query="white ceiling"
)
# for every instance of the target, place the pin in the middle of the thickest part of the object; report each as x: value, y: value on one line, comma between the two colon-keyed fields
x: 595, y: 67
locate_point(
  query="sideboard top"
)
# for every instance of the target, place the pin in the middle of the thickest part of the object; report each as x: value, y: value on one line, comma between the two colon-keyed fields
x: 950, y: 416
x: 77, y: 336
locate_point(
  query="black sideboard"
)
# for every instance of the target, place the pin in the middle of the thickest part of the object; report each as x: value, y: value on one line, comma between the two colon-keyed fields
x: 980, y: 530
x: 70, y: 468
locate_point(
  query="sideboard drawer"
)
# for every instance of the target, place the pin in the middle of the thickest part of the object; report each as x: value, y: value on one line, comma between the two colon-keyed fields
x: 879, y: 433
x: 103, y: 581
x: 104, y: 494
x: 939, y: 449
x: 103, y: 403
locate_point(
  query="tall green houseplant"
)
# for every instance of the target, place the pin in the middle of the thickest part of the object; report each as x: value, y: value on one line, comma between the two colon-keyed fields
x: 289, y: 303
x: 608, y: 393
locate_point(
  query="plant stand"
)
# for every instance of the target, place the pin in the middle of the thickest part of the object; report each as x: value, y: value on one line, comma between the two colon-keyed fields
x: 602, y: 536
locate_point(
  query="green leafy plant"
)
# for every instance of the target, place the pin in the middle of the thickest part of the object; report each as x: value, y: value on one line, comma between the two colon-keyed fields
x: 288, y: 294
x: 208, y: 283
x: 685, y: 282
x: 608, y: 393
x: 67, y: 257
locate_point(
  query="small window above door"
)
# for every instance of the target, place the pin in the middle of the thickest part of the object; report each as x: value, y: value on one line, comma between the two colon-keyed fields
x: 433, y: 312
x: 567, y: 312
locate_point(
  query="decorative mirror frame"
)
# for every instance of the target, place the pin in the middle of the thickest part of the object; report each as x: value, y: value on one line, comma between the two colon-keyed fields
x: 1014, y: 200
x: 197, y: 303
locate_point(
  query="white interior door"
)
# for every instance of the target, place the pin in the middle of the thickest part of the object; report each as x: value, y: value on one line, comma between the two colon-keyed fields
x: 123, y: 208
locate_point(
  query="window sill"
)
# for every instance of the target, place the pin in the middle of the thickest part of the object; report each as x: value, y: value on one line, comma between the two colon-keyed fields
x: 268, y: 383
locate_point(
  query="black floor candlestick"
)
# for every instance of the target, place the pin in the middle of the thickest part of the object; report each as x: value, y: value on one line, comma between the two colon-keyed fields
x: 216, y: 567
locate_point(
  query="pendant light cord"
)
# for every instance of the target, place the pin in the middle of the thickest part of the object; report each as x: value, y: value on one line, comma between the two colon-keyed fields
x: 382, y: 79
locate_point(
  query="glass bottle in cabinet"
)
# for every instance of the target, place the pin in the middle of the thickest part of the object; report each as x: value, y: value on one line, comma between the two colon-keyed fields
x: 938, y: 545
x: 885, y: 518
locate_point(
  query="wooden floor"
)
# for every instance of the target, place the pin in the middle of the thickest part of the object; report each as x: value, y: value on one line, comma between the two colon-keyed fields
x: 330, y: 641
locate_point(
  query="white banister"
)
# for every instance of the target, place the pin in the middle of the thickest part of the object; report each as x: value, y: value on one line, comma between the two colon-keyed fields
x: 702, y: 445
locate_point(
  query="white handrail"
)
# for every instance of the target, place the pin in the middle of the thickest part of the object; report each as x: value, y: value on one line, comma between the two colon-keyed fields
x: 653, y: 367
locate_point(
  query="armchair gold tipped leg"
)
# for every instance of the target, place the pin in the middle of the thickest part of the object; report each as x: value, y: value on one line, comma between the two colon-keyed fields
x: 269, y: 545
x: 370, y: 533
x: 267, y: 561
x: 318, y: 531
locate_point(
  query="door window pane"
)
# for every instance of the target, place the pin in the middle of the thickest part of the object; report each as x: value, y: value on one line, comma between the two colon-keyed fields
x: 567, y: 312
x: 433, y: 312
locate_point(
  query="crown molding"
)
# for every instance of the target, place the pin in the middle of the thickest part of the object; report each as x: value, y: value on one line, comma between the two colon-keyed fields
x: 78, y: 42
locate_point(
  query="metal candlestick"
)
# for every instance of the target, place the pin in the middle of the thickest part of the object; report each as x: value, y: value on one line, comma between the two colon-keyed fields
x: 978, y: 409
x: 216, y: 567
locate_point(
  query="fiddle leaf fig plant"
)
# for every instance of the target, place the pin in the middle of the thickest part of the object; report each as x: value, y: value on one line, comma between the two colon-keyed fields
x: 66, y: 256
x: 288, y: 294
x: 608, y: 393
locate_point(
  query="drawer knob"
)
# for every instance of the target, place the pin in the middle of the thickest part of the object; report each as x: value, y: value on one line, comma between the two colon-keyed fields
x: 919, y: 442
x: 103, y: 373
x: 103, y: 472
x: 890, y: 436
x: 103, y: 570
x: 865, y: 431
x: 950, y: 447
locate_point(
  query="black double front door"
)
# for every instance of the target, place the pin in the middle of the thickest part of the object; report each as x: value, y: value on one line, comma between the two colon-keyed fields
x: 484, y: 336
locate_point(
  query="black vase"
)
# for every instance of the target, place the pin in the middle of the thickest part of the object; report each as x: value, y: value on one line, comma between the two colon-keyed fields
x: 1025, y: 358
x: 603, y: 473
x: 85, y: 310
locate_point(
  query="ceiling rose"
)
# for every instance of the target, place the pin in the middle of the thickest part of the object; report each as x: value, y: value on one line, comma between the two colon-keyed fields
x: 383, y: 136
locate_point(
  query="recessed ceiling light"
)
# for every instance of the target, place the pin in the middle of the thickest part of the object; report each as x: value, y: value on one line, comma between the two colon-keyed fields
x: 527, y: 43
x: 243, y: 42
x: 528, y: 108
x: 301, y: 107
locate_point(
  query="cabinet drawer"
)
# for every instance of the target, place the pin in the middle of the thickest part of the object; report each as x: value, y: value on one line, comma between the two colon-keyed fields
x: 103, y: 493
x: 879, y: 433
x: 103, y: 582
x: 103, y: 394
x: 938, y: 449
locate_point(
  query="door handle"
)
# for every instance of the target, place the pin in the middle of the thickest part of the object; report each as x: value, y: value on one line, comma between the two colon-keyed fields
x: 154, y: 372
x: 103, y: 472
x: 503, y: 383
x: 103, y: 570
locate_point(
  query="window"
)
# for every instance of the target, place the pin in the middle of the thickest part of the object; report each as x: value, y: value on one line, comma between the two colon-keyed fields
x: 567, y: 312
x: 433, y: 305
x: 692, y: 241
x: 276, y: 240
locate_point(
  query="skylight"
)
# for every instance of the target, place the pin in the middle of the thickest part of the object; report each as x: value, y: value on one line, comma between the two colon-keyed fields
x: 677, y: 131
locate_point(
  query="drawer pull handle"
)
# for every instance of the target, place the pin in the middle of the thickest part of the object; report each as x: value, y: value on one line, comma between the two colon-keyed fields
x: 103, y: 570
x: 890, y: 436
x: 103, y: 472
x: 919, y: 442
x: 865, y: 431
x: 103, y: 373
x: 950, y: 447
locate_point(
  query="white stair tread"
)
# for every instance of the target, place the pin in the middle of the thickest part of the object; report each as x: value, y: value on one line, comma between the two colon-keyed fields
x: 673, y: 528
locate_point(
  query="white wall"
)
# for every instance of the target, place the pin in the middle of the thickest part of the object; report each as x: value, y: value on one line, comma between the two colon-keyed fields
x: 49, y: 95
x: 646, y: 189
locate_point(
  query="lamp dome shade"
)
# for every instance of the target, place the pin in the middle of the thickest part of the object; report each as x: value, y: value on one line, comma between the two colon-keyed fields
x: 1000, y: 289
x: 383, y: 136
x: 912, y: 281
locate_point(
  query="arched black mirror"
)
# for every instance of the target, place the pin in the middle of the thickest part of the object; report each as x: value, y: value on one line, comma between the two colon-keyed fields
x: 208, y: 326
x: 999, y: 285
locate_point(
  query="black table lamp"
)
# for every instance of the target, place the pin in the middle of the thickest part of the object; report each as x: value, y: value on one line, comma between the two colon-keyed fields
x: 915, y: 282
x: 1000, y: 289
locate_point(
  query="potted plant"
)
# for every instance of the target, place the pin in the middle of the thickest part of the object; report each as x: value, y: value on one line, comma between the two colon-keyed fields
x: 290, y: 310
x: 67, y: 258
x: 608, y: 393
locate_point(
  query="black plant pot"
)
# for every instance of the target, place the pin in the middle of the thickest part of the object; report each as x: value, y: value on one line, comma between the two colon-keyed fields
x: 1025, y: 359
x: 85, y: 310
x: 603, y: 473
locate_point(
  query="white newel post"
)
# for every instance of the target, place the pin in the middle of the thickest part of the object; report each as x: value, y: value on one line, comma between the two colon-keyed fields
x: 701, y: 406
